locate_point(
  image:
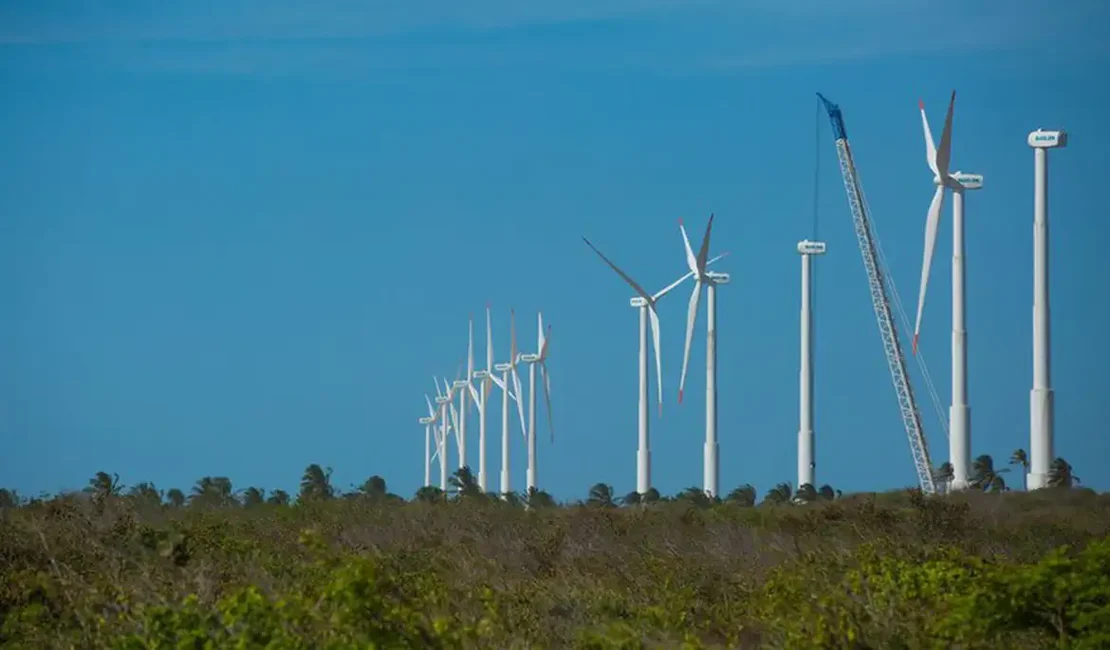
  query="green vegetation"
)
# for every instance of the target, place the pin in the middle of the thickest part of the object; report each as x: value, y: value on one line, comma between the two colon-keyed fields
x: 133, y: 568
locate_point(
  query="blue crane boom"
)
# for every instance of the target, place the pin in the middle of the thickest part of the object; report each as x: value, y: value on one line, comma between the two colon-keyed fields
x: 895, y: 359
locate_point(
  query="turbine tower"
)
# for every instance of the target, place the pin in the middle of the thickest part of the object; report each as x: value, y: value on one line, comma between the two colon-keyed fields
x: 710, y: 279
x: 645, y: 303
x: 463, y: 386
x: 959, y: 413
x: 444, y: 403
x: 1041, y: 398
x: 480, y: 397
x: 429, y: 424
x: 807, y: 465
x: 503, y: 383
x: 534, y: 360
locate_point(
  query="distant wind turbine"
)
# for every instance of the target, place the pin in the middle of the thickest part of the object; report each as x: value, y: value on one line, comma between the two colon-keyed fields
x: 533, y: 360
x: 645, y: 303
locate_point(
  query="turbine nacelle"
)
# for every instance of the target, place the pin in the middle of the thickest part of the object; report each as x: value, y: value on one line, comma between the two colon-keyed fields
x: 529, y: 358
x: 427, y: 420
x: 503, y: 367
x: 481, y: 374
x: 637, y: 302
x: 806, y: 247
x: 442, y: 400
x: 967, y: 181
x: 717, y: 277
x: 460, y: 383
x: 1041, y: 139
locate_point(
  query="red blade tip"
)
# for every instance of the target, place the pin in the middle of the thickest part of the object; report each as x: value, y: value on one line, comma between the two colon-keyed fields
x: 915, y: 343
x: 920, y: 104
x: 680, y: 396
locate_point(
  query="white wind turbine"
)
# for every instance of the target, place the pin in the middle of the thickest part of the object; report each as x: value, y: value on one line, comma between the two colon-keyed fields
x: 710, y: 280
x: 429, y: 423
x: 533, y: 360
x: 507, y: 369
x: 481, y: 398
x: 645, y: 303
x: 807, y: 466
x: 959, y: 413
x: 463, y: 386
x: 444, y: 403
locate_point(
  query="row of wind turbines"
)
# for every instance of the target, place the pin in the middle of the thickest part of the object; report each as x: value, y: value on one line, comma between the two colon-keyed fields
x: 444, y: 419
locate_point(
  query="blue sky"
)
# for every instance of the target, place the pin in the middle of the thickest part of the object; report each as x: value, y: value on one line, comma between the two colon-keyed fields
x: 239, y: 237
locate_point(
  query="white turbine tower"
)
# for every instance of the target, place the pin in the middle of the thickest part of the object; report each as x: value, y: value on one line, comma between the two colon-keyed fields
x: 503, y: 383
x: 429, y: 423
x: 1041, y: 399
x: 959, y: 413
x: 645, y: 303
x: 807, y: 466
x: 534, y: 360
x: 463, y: 386
x: 710, y: 280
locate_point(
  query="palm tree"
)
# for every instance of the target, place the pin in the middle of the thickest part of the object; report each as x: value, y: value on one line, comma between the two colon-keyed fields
x: 1060, y: 474
x: 695, y: 496
x: 213, y: 491
x: 985, y: 477
x: 781, y: 493
x: 9, y: 498
x: 742, y: 496
x: 103, y: 486
x: 827, y: 493
x: 601, y: 496
x: 429, y: 494
x: 943, y: 475
x: 374, y: 488
x: 145, y: 493
x: 278, y: 498
x: 253, y: 496
x: 175, y: 497
x: 806, y: 493
x: 1020, y: 458
x: 537, y: 498
x: 316, y: 484
x: 463, y: 483
x: 631, y: 499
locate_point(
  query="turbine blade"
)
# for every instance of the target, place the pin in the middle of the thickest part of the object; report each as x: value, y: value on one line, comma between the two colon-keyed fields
x: 691, y: 318
x: 470, y: 350
x: 547, y: 399
x: 431, y: 411
x: 455, y: 422
x: 474, y: 395
x: 512, y: 337
x: 489, y: 341
x: 658, y: 357
x: 519, y: 402
x: 436, y: 380
x: 703, y: 254
x: 930, y: 148
x: 497, y: 380
x: 945, y: 149
x: 630, y: 281
x: 691, y: 261
x: 931, y: 224
x: 546, y: 344
x: 679, y: 281
x: 541, y: 342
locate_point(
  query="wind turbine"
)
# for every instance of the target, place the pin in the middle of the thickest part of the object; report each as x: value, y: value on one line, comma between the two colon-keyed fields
x: 533, y: 360
x: 463, y: 386
x: 807, y: 465
x: 959, y: 413
x: 1041, y: 398
x: 503, y: 383
x: 429, y: 423
x: 645, y: 303
x: 444, y: 403
x: 710, y: 280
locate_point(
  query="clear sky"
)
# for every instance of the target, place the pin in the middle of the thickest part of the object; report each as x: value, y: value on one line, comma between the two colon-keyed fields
x: 239, y: 237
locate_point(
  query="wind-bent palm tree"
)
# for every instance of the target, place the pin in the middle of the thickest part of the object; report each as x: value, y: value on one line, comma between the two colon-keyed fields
x: 694, y: 495
x: 601, y: 496
x: 146, y: 494
x: 374, y: 488
x: 537, y: 498
x: 430, y: 494
x: 463, y: 484
x: 827, y: 493
x: 175, y: 497
x: 9, y: 498
x: 213, y: 491
x: 985, y: 476
x: 943, y: 475
x: 1020, y: 458
x: 104, y: 485
x: 1060, y: 474
x: 278, y: 498
x: 316, y: 484
x: 781, y: 493
x: 253, y: 496
x: 806, y: 493
x: 743, y: 495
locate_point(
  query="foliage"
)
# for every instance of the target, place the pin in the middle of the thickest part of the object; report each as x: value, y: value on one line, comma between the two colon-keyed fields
x: 115, y: 568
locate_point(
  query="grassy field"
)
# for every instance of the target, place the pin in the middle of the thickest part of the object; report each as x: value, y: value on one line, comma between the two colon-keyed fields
x: 889, y: 570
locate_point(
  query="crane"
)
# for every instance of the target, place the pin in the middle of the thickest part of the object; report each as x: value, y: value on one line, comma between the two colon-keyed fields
x: 895, y: 359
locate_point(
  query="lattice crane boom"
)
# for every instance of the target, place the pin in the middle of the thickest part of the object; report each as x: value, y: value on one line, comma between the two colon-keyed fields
x: 895, y: 359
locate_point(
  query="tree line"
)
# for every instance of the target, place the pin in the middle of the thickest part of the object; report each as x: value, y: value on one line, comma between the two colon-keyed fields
x: 316, y: 485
